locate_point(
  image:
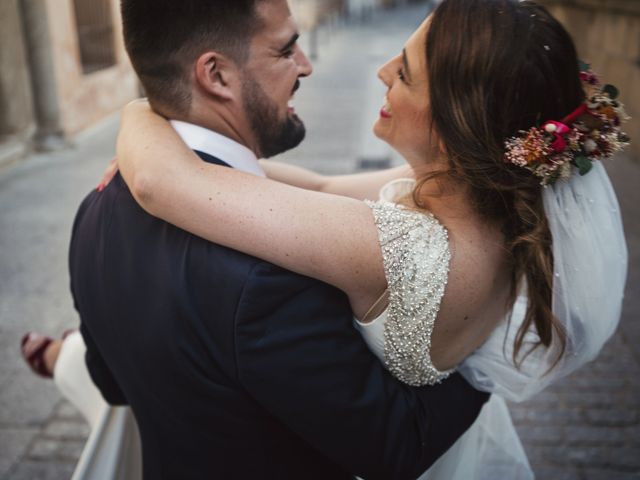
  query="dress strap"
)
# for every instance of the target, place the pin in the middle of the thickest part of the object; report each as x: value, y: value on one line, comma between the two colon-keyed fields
x: 377, y: 308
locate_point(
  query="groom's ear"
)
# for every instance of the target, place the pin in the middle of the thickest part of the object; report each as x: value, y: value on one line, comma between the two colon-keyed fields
x: 216, y: 75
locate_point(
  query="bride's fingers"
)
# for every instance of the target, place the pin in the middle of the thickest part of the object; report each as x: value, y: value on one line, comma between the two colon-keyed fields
x: 108, y: 174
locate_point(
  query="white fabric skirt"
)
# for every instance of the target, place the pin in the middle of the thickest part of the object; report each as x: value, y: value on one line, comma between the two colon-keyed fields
x: 489, y: 450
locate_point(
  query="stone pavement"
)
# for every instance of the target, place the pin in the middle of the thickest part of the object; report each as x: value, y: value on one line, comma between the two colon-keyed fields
x: 587, y: 428
x: 41, y: 437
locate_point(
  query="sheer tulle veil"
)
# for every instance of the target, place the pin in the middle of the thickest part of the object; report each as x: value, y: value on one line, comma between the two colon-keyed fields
x: 590, y: 269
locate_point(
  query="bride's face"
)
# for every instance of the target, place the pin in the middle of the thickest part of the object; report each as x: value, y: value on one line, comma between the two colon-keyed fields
x: 404, y: 118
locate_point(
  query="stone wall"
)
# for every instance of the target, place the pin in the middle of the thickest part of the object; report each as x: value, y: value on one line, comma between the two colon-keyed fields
x: 607, y: 35
x: 86, y: 98
x: 16, y: 109
x: 33, y: 31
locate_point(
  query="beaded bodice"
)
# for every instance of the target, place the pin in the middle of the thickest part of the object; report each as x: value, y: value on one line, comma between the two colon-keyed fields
x: 415, y: 251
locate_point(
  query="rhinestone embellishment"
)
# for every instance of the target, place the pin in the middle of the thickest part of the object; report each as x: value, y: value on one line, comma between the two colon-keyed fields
x: 416, y: 256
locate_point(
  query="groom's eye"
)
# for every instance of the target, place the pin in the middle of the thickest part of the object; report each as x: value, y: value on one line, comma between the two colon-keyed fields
x: 288, y: 50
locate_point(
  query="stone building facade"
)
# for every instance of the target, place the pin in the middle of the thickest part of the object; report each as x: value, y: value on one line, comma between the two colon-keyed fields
x: 17, y: 123
x: 607, y: 35
x: 63, y: 67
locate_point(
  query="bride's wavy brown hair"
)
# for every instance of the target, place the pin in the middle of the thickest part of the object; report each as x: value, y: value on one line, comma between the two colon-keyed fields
x: 496, y: 67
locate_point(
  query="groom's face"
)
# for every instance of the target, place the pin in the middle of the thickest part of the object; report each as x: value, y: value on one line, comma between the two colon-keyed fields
x: 270, y: 78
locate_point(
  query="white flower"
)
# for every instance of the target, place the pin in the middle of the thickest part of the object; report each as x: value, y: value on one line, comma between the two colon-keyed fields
x: 565, y: 170
x: 590, y: 145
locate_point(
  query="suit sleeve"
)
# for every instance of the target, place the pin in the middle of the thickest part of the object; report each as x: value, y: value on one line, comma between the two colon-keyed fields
x: 100, y: 373
x: 299, y: 355
x: 98, y: 369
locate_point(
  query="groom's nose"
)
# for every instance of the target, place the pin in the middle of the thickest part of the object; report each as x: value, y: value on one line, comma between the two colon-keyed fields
x: 304, y: 65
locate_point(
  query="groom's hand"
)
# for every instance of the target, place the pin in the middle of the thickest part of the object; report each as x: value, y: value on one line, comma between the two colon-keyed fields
x: 108, y: 174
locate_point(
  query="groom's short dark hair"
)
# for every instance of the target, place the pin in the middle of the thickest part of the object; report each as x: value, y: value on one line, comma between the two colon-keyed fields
x: 164, y: 38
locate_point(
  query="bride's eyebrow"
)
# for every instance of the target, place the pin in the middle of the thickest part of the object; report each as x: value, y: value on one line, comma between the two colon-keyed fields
x: 405, y: 62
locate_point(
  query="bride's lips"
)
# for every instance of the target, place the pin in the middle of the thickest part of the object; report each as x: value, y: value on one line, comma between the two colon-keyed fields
x: 385, y: 111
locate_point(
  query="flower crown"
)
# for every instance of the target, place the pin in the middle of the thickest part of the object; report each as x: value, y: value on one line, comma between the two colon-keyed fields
x: 589, y: 133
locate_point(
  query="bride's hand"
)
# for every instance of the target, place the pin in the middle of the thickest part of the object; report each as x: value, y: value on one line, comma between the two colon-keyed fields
x: 113, y: 167
x: 108, y: 174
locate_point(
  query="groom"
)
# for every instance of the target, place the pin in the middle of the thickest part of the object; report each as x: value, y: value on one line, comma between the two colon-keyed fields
x: 235, y: 368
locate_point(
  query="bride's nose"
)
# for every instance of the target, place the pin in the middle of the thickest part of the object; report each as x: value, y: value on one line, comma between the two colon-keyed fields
x: 385, y: 73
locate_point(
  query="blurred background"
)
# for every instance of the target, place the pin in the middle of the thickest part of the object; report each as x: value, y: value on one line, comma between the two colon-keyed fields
x: 64, y: 76
x: 63, y: 66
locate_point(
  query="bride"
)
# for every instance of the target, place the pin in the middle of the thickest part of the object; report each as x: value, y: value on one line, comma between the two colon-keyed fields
x: 498, y: 251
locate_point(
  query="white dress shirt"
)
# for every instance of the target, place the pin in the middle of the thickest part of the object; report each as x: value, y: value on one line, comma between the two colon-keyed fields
x: 223, y: 148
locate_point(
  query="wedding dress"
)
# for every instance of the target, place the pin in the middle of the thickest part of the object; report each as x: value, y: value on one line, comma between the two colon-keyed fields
x: 416, y: 259
x: 587, y: 298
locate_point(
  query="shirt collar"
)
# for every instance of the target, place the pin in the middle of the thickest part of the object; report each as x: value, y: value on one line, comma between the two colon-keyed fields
x: 212, y: 143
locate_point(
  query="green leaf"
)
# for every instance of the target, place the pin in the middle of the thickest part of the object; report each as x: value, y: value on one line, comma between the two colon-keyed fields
x: 584, y: 164
x: 583, y: 66
x: 610, y: 90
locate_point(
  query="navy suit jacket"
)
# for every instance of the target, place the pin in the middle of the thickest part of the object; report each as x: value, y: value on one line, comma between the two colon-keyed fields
x: 238, y: 369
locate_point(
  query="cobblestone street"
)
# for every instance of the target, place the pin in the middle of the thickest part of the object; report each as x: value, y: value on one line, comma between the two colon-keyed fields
x: 587, y: 427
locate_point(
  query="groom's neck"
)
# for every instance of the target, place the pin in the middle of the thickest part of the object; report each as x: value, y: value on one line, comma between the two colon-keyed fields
x: 222, y: 122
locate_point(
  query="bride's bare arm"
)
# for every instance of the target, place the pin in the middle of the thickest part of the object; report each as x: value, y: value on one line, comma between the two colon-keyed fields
x: 359, y: 185
x: 332, y: 238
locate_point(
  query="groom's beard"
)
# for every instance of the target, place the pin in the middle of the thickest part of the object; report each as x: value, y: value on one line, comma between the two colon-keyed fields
x: 274, y: 135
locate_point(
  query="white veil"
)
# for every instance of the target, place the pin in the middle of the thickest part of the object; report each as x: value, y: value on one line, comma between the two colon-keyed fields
x: 590, y: 264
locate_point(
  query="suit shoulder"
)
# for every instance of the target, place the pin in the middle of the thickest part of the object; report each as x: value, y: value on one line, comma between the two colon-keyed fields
x: 261, y: 269
x: 274, y: 287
